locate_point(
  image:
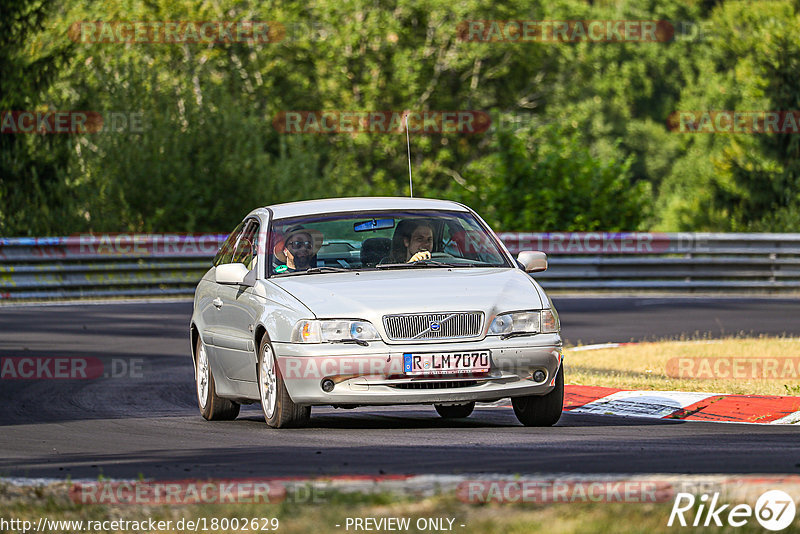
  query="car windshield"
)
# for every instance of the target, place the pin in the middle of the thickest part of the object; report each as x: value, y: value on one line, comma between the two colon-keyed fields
x: 381, y: 240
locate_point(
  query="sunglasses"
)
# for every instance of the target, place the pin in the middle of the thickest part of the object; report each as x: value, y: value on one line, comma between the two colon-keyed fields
x: 298, y: 244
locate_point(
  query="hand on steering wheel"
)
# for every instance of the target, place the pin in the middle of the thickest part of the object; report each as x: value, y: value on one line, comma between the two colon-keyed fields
x: 421, y: 255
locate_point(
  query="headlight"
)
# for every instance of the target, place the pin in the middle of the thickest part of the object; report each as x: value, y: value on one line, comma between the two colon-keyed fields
x: 314, y: 331
x: 532, y: 322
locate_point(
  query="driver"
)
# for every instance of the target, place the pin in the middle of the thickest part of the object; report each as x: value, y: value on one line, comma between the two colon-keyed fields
x: 412, y: 242
x: 298, y: 249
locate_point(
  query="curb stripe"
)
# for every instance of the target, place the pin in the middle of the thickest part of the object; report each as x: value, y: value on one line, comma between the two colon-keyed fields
x: 747, y: 408
x: 577, y: 396
x: 686, y: 406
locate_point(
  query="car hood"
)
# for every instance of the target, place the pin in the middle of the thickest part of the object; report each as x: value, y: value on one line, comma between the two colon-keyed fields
x: 370, y: 295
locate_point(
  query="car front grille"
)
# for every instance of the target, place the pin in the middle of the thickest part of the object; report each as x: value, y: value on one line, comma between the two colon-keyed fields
x: 433, y: 325
x: 436, y: 385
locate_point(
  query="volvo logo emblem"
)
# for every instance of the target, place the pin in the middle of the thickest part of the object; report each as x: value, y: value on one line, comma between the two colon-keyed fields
x: 435, y: 326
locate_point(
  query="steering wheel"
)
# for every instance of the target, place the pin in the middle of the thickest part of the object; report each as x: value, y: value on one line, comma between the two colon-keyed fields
x: 441, y: 255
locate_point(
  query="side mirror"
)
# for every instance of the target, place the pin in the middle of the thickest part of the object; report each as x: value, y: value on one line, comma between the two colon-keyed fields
x: 533, y: 261
x: 232, y: 273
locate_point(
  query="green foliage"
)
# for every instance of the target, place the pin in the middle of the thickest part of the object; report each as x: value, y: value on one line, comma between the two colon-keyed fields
x: 36, y: 194
x: 590, y: 149
x: 740, y: 182
x: 548, y: 179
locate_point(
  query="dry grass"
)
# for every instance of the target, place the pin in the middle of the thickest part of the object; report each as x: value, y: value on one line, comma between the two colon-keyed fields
x: 749, y: 366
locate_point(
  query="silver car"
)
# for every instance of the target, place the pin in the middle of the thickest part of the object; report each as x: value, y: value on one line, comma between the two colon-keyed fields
x: 373, y: 301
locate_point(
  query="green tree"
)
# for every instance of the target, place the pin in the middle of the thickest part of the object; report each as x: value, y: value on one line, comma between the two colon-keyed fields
x: 35, y: 192
x: 740, y: 181
x: 591, y: 117
x: 546, y: 179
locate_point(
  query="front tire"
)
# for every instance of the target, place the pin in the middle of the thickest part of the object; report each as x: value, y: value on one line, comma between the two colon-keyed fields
x: 279, y: 409
x: 455, y: 411
x: 541, y: 410
x: 212, y: 407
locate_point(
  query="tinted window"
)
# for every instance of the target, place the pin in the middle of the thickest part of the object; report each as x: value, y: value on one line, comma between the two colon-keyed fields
x: 225, y: 252
x: 245, y: 250
x: 371, y: 240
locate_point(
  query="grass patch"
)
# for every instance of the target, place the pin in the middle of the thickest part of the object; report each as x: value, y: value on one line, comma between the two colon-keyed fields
x: 674, y: 366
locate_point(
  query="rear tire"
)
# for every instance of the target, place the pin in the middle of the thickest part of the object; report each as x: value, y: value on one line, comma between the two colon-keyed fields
x: 541, y: 410
x: 279, y: 409
x: 455, y: 411
x: 212, y: 407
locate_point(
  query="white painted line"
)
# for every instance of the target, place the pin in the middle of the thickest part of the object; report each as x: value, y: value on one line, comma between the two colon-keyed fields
x: 658, y: 404
x: 601, y: 346
x: 598, y: 346
x: 791, y: 419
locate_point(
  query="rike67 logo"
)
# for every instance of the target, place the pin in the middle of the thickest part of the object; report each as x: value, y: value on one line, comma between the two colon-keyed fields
x: 774, y: 510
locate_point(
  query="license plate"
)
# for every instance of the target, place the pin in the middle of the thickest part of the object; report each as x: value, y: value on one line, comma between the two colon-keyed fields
x: 440, y: 363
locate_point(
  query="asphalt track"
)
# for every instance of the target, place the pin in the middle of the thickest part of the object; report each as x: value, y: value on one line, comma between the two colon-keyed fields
x: 148, y: 424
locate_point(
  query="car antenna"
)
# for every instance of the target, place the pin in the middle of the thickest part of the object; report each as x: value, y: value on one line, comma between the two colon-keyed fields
x: 408, y: 146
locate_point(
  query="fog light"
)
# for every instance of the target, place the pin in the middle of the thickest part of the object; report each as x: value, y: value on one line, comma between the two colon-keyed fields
x: 327, y: 385
x: 539, y: 376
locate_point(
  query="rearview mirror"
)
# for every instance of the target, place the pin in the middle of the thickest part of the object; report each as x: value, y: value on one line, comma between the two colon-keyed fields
x: 534, y: 261
x: 374, y: 224
x: 232, y: 273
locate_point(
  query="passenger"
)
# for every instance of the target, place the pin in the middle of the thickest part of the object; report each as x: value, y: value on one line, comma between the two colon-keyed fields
x: 298, y: 249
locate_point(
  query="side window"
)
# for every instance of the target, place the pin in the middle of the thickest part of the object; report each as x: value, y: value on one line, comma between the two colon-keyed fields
x: 246, y: 246
x: 225, y: 252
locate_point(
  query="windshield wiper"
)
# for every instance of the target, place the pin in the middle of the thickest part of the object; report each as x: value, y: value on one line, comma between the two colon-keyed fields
x: 351, y: 340
x: 516, y: 334
x: 420, y: 263
x: 319, y: 270
x: 480, y: 264
x: 328, y: 269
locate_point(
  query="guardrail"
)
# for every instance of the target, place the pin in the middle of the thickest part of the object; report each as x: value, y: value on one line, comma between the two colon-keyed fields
x: 169, y: 264
x: 683, y: 262
x: 107, y: 265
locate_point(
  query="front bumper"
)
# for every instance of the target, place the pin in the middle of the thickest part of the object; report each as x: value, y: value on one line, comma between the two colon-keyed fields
x: 373, y: 375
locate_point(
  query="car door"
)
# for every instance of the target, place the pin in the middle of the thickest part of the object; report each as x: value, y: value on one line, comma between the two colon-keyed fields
x: 237, y: 312
x: 208, y: 296
x: 205, y: 295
